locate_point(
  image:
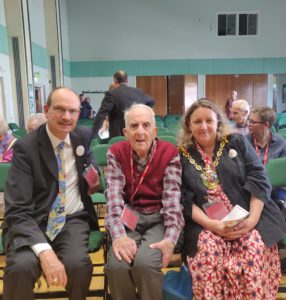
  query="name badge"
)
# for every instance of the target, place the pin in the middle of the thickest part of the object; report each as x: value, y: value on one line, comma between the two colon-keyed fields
x: 129, y: 218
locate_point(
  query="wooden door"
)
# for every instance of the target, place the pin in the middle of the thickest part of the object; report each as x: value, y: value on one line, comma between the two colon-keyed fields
x: 251, y: 87
x: 219, y: 88
x: 156, y: 87
x: 176, y: 94
x: 245, y: 88
x: 191, y: 90
x: 260, y: 90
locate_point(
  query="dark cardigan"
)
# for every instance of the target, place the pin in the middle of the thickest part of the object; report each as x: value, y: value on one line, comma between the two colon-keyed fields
x: 240, y: 177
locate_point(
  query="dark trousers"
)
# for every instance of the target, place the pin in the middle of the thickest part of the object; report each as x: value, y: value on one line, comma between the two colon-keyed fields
x: 71, y: 246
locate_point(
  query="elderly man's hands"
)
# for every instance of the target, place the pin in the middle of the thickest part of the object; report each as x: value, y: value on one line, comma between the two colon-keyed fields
x: 124, y: 248
x: 167, y: 249
x: 53, y: 268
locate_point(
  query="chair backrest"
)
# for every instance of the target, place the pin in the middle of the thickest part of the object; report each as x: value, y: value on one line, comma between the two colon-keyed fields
x: 13, y: 126
x: 276, y: 171
x: 4, y: 168
x: 19, y: 133
x: 116, y: 139
x: 99, y: 152
x: 168, y: 138
x: 282, y: 131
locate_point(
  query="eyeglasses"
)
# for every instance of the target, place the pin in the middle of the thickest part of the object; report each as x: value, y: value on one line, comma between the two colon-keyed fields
x: 255, y: 122
x: 61, y: 111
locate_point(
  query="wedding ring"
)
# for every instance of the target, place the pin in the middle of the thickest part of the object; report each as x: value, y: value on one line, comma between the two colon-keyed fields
x: 55, y: 280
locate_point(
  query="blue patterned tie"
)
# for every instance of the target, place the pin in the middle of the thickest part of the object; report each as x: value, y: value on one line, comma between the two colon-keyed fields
x: 57, y: 215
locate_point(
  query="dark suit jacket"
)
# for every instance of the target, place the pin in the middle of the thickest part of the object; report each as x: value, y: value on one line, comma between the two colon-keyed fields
x: 114, y: 104
x: 32, y: 186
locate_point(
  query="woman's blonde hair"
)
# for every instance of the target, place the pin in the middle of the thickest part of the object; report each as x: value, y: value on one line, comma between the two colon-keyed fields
x: 185, y: 135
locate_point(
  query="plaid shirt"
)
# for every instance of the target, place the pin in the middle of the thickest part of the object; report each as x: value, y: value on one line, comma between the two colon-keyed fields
x: 171, y: 196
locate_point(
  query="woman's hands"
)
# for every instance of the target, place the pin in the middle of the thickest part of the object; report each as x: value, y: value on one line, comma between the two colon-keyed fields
x: 232, y: 233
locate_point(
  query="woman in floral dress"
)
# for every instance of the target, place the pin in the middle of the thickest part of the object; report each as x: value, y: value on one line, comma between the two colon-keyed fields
x: 221, y: 170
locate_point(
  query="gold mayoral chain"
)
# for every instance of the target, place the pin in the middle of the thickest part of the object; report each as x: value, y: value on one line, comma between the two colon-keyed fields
x: 208, y: 176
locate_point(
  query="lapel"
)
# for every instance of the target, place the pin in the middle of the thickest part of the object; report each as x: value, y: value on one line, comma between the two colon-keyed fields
x: 47, y: 152
x: 80, y: 161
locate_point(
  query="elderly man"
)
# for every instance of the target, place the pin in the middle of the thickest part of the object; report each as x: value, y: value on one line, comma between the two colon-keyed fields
x: 48, y: 210
x: 240, y: 111
x: 35, y: 121
x: 144, y: 215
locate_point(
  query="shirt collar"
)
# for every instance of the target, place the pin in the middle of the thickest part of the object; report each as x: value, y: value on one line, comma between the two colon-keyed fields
x: 56, y: 141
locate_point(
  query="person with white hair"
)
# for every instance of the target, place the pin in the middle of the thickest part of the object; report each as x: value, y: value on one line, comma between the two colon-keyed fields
x: 240, y: 111
x: 7, y: 141
x: 36, y: 121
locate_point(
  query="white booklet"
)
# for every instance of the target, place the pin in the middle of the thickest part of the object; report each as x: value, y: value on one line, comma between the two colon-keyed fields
x: 236, y: 215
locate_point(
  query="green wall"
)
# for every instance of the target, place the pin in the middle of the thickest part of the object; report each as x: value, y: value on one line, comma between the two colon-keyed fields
x: 40, y: 56
x: 173, y: 67
x: 3, y: 40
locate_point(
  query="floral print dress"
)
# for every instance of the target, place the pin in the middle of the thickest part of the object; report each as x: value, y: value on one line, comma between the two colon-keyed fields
x: 241, y: 269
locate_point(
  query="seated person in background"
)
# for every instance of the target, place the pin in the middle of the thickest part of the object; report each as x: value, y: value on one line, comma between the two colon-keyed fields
x: 220, y: 170
x: 85, y: 107
x: 267, y: 145
x: 48, y: 210
x: 240, y: 111
x: 143, y: 181
x: 7, y: 141
x: 36, y: 121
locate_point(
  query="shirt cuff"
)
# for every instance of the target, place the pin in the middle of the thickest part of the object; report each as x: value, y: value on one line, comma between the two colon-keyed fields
x: 38, y: 248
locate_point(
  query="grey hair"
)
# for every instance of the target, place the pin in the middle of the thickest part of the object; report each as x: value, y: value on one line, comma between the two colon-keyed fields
x: 140, y: 106
x: 40, y: 117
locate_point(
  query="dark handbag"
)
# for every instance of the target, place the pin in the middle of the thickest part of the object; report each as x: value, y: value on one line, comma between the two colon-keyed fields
x: 178, y: 285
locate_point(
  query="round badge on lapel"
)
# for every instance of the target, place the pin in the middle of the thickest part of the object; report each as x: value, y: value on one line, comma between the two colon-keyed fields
x: 232, y: 153
x: 80, y: 151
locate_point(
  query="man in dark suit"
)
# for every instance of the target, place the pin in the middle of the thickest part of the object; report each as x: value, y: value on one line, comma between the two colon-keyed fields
x: 33, y: 185
x: 116, y: 101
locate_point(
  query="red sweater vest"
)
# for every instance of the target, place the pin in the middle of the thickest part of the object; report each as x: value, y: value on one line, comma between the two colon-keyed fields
x: 148, y: 197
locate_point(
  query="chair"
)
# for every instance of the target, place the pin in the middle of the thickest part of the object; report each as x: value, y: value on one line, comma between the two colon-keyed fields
x: 281, y: 122
x: 99, y: 152
x: 277, y: 179
x: 19, y: 133
x: 274, y: 169
x: 282, y: 131
x: 166, y: 133
x: 116, y: 139
x: 161, y: 130
x: 13, y: 126
x: 168, y: 138
x: 4, y: 168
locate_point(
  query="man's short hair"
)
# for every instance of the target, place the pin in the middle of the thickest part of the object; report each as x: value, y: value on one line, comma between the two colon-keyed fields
x: 265, y: 114
x: 135, y: 106
x: 120, y: 77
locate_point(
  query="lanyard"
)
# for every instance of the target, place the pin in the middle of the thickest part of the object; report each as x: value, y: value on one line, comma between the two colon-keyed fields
x: 265, y: 157
x: 134, y: 191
